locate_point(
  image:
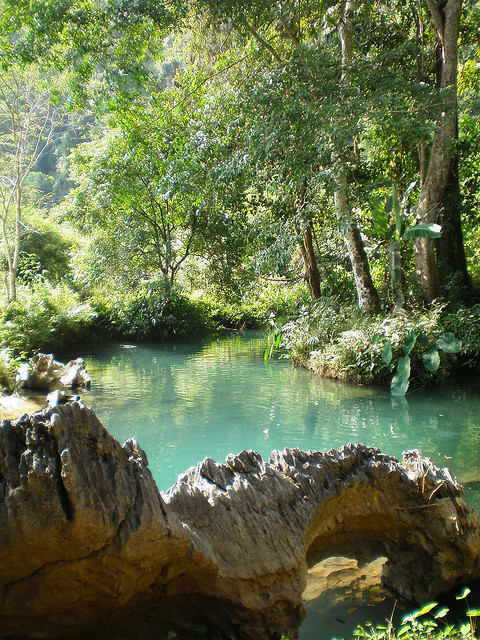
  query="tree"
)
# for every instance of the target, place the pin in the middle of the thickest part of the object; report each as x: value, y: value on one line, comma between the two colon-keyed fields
x: 28, y: 124
x: 291, y: 57
x: 148, y: 180
x: 368, y: 299
x: 446, y: 18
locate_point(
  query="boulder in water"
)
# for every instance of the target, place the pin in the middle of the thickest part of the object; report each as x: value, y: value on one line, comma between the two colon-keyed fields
x: 43, y: 372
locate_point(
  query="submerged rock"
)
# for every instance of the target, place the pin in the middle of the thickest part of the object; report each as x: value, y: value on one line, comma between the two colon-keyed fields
x: 43, y: 372
x: 85, y: 536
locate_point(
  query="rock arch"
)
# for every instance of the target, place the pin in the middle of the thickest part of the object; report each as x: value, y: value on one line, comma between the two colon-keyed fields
x: 84, y: 531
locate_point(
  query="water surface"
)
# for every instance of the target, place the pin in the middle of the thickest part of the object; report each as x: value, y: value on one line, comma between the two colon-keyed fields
x: 186, y: 401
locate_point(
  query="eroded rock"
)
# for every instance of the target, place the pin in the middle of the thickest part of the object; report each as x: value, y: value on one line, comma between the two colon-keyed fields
x: 86, y: 537
x: 43, y: 372
x: 82, y: 525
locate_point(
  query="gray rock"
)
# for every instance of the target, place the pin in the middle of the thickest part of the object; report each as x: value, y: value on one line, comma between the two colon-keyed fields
x: 43, y: 372
x: 85, y: 536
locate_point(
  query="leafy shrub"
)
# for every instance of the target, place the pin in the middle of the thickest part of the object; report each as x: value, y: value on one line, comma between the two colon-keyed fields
x: 45, y: 317
x: 150, y: 313
x: 46, y: 248
x: 315, y: 327
x: 464, y: 322
x: 428, y: 622
x: 339, y: 342
x: 8, y: 369
x: 262, y: 301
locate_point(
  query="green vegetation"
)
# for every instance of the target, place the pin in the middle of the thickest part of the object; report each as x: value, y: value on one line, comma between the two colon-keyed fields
x: 419, y: 347
x: 429, y: 622
x: 174, y: 168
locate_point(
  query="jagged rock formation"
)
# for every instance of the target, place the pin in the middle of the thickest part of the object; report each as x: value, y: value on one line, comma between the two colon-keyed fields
x: 82, y: 525
x: 43, y: 372
x: 85, y: 535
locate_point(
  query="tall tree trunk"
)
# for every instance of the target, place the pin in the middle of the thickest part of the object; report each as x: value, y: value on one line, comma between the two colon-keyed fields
x: 305, y: 245
x: 447, y: 20
x: 16, y: 243
x: 450, y: 246
x: 313, y: 272
x: 367, y: 295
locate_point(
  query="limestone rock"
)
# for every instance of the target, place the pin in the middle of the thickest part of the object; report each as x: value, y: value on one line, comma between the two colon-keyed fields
x: 43, y: 372
x: 262, y: 522
x: 82, y: 525
x: 85, y: 536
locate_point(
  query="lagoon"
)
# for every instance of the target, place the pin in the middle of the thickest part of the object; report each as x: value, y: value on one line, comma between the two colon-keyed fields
x: 211, y: 397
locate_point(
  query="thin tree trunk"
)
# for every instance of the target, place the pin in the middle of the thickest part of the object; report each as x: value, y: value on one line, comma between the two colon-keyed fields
x: 447, y: 20
x: 368, y: 299
x: 305, y: 246
x: 16, y: 242
x: 367, y: 295
x: 313, y: 272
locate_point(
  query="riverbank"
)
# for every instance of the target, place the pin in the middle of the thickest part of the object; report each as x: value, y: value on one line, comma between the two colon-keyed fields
x: 410, y: 349
x: 14, y: 405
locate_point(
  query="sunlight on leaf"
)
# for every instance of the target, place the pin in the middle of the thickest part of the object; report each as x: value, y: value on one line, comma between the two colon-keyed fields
x: 464, y: 593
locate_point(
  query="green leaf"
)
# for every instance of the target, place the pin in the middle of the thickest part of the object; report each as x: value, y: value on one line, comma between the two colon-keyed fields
x: 425, y: 609
x: 407, y: 193
x: 448, y: 343
x: 409, y: 342
x: 389, y: 205
x: 424, y: 230
x: 473, y: 613
x: 408, y: 618
x: 423, y: 339
x: 442, y: 612
x: 399, y: 385
x: 387, y: 352
x: 431, y: 360
x: 464, y: 593
x: 379, y: 219
x: 403, y: 367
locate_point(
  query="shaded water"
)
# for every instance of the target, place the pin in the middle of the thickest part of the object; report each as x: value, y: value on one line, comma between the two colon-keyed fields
x: 187, y: 401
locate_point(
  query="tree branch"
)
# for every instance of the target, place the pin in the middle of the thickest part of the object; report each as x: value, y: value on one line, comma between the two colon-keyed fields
x: 259, y: 38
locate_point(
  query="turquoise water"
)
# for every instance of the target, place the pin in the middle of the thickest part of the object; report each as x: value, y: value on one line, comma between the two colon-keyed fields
x: 187, y: 401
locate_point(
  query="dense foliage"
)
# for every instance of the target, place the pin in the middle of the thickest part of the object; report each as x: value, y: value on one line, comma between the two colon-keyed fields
x: 171, y: 168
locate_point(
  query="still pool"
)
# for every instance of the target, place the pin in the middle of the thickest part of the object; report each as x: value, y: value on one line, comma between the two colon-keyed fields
x: 186, y: 401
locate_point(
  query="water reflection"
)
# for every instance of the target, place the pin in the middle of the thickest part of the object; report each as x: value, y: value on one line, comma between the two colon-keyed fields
x: 184, y: 402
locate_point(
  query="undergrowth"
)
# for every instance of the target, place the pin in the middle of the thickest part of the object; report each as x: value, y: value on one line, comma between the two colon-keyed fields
x: 418, y: 346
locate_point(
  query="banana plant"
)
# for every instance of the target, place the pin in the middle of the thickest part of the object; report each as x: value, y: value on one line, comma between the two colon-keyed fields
x: 446, y: 343
x: 391, y: 224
